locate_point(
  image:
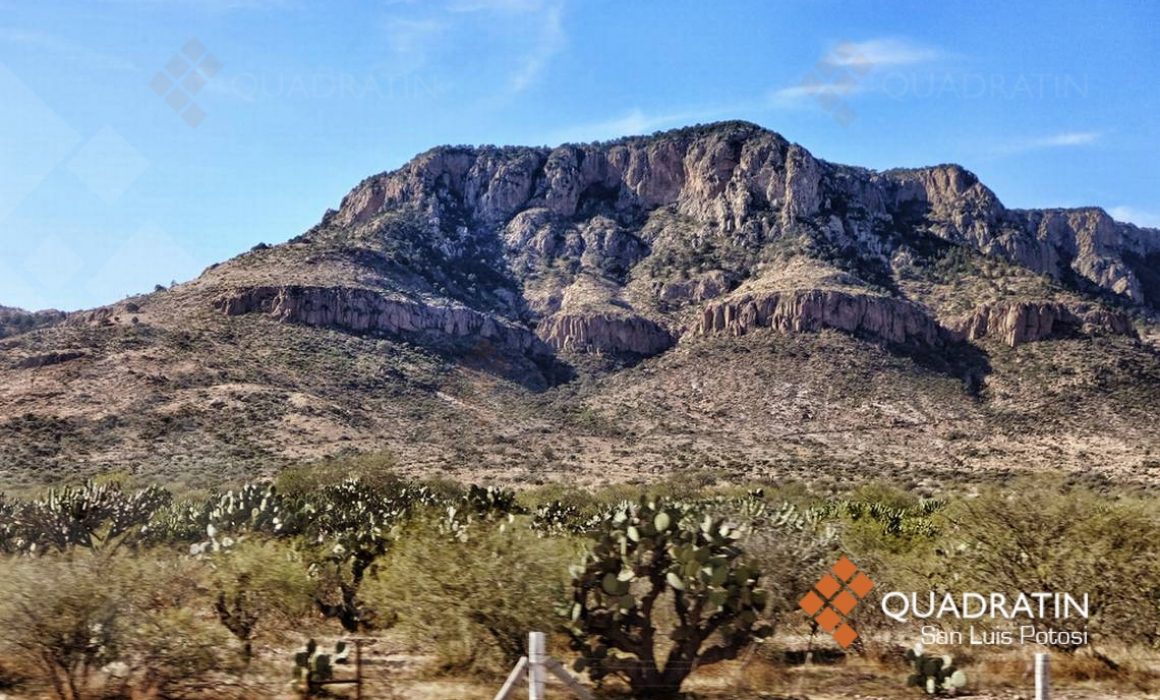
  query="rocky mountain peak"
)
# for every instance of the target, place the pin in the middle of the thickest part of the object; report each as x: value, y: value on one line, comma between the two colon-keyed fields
x: 625, y: 246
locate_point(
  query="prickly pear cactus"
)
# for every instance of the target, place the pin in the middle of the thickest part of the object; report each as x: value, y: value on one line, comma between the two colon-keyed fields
x: 934, y: 675
x: 312, y: 668
x: 648, y: 553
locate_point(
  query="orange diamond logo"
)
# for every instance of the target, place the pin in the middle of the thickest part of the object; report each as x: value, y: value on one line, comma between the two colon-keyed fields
x: 827, y: 586
x: 844, y: 587
x: 861, y: 585
x: 845, y: 635
x: 844, y: 602
x: 845, y: 569
x: 811, y: 603
x: 828, y: 619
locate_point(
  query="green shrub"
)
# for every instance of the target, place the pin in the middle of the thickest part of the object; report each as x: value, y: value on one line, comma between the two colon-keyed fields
x: 90, y: 625
x: 259, y: 587
x: 475, y: 597
x: 1039, y: 536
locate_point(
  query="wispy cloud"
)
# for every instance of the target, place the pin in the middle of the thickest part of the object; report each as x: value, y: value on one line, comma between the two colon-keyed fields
x: 1062, y: 139
x: 878, y: 53
x: 57, y: 45
x: 532, y: 34
x: 1065, y: 139
x: 546, y: 24
x: 411, y: 41
x: 799, y: 94
x: 847, y: 69
x: 551, y: 41
x: 1140, y: 217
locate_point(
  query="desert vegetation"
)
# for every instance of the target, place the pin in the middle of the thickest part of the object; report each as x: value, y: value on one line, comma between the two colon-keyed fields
x: 116, y: 589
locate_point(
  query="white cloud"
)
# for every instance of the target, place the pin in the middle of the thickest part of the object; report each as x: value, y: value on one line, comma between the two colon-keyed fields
x: 1063, y: 139
x: 875, y: 53
x: 409, y: 37
x: 547, y: 26
x: 798, y: 94
x: 533, y: 33
x: 1132, y: 215
x: 550, y: 42
x: 1066, y: 138
x: 845, y: 70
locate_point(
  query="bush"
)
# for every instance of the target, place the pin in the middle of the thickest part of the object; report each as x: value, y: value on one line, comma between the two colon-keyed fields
x: 473, y: 598
x: 1041, y: 537
x: 95, y: 624
x: 259, y: 587
x: 64, y: 618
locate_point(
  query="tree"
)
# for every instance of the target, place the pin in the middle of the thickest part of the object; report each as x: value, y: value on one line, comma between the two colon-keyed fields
x: 649, y: 554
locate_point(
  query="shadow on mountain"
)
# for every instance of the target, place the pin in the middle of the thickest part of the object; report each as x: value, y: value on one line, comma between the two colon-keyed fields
x: 968, y: 362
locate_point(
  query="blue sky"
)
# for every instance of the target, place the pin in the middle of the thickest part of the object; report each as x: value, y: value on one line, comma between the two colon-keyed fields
x: 110, y: 182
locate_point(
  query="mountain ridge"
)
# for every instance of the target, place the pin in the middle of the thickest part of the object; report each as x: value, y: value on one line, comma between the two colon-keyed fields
x: 539, y: 296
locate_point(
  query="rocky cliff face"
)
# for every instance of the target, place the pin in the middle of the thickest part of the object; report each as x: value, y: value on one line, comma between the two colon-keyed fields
x: 745, y: 179
x: 618, y: 335
x: 891, y: 320
x: 675, y: 221
x: 362, y: 311
x: 1016, y: 323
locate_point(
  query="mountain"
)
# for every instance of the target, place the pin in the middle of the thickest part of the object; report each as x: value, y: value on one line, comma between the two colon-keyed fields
x: 711, y: 298
x: 14, y: 321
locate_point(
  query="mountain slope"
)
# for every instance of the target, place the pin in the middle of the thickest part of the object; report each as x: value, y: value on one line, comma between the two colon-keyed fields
x: 710, y: 297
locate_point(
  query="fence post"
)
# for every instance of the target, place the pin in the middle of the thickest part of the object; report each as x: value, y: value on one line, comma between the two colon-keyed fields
x: 536, y: 655
x: 358, y: 676
x: 1042, y: 676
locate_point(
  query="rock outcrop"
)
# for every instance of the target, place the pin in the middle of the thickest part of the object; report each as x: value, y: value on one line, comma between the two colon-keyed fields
x: 604, y: 333
x: 885, y: 318
x: 612, y: 247
x: 747, y: 180
x: 366, y: 311
x: 1015, y: 323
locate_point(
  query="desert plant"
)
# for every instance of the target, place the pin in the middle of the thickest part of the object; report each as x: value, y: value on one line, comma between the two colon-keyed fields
x: 934, y: 675
x: 313, y: 667
x: 474, y: 599
x: 1040, y: 537
x: 65, y: 617
x: 258, y: 586
x: 93, y: 515
x: 350, y: 528
x: 649, y: 552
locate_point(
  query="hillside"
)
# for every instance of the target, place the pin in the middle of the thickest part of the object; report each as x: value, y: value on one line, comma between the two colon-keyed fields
x: 710, y: 298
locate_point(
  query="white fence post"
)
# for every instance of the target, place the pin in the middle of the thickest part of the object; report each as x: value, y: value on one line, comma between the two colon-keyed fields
x: 537, y: 664
x: 536, y: 656
x: 1042, y: 676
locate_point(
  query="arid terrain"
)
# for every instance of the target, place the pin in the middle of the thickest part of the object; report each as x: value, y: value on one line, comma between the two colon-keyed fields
x: 712, y: 298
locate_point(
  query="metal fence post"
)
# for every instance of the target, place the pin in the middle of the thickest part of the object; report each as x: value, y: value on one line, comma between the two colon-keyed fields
x: 1042, y: 676
x: 536, y: 656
